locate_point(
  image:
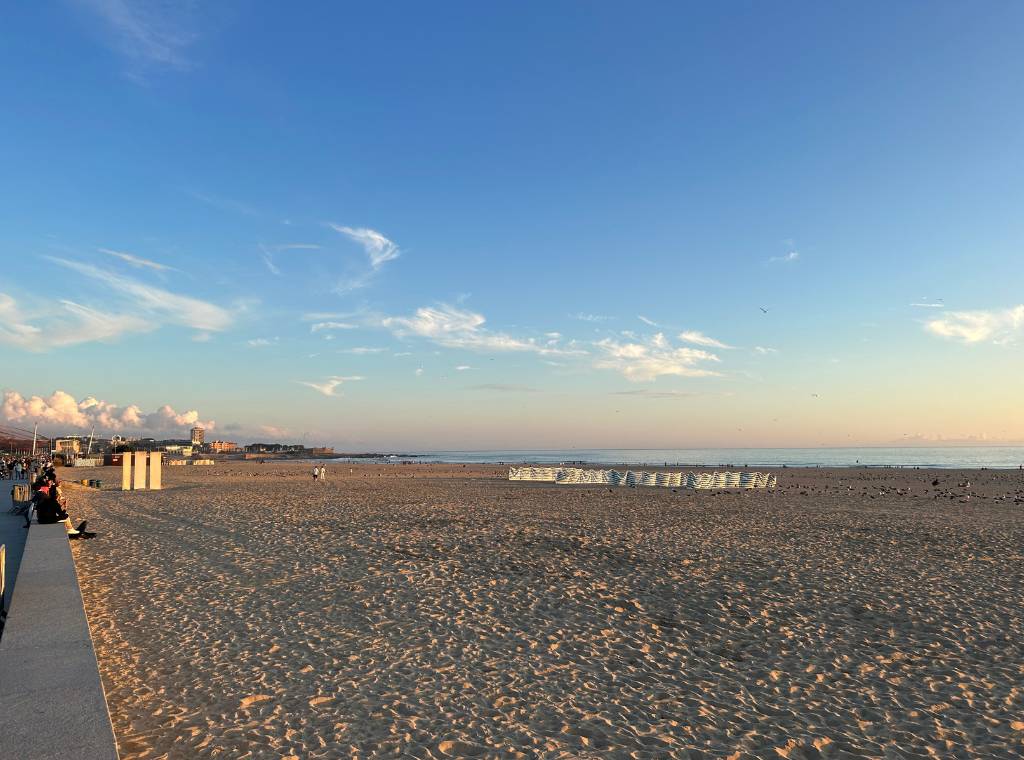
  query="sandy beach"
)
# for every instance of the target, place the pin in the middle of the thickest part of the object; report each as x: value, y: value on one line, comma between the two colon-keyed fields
x: 439, y: 611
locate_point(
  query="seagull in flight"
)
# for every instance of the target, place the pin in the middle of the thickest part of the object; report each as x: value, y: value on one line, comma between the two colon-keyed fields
x: 815, y: 395
x: 763, y: 309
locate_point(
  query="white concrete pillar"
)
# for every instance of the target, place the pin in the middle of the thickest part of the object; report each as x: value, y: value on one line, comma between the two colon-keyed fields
x: 126, y: 471
x: 154, y: 471
x: 139, y: 483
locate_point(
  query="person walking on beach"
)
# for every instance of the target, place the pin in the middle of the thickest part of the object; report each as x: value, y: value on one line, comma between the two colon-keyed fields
x: 316, y: 473
x: 323, y: 473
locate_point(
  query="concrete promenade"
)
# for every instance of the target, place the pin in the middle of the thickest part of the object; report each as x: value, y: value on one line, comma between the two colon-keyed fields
x: 12, y: 535
x: 51, y: 698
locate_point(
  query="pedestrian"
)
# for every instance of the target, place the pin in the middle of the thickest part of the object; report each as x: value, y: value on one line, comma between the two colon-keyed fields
x: 316, y: 473
x: 323, y: 473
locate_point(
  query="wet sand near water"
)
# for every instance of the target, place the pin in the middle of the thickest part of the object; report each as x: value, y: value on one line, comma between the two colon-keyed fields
x: 439, y: 611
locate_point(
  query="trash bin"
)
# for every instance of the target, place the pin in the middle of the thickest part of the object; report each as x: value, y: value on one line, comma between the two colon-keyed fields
x: 20, y: 493
x: 85, y: 482
x: 99, y: 483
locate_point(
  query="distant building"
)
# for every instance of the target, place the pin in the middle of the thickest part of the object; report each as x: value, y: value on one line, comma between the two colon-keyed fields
x: 272, y: 448
x: 223, y: 447
x: 177, y: 448
x: 321, y: 451
x: 198, y: 436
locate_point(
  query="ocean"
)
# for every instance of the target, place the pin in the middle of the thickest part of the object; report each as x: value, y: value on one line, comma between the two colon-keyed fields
x: 937, y: 456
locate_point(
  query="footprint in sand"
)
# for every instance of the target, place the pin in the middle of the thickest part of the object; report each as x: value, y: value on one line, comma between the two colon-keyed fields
x: 451, y: 748
x: 255, y: 699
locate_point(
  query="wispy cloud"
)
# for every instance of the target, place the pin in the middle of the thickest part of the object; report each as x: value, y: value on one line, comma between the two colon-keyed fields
x: 672, y: 395
x: 647, y: 321
x: 320, y: 326
x: 463, y: 368
x: 163, y: 305
x: 378, y: 248
x: 65, y: 323
x: 453, y: 327
x: 582, y: 317
x: 503, y: 388
x: 268, y: 251
x: 929, y: 305
x: 786, y: 259
x: 147, y: 31
x: 997, y: 325
x: 317, y: 316
x: 262, y: 342
x: 224, y: 204
x: 362, y: 350
x: 765, y: 350
x: 700, y: 339
x: 330, y: 386
x: 653, y: 358
x: 136, y: 261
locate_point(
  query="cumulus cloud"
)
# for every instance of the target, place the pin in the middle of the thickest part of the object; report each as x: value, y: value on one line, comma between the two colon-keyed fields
x: 700, y: 339
x: 62, y: 409
x: 647, y: 360
x: 329, y: 387
x: 378, y: 248
x: 453, y: 327
x: 997, y: 325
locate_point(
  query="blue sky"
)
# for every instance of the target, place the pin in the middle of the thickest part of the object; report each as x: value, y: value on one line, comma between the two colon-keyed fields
x: 542, y: 225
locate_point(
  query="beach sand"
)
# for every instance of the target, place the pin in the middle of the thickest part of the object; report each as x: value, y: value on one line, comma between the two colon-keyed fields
x: 439, y: 611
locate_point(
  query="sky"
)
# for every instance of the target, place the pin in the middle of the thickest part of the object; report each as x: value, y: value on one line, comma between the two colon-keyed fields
x: 534, y: 225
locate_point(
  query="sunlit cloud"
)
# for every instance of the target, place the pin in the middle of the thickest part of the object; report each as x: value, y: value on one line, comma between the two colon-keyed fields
x: 330, y: 386
x: 63, y: 410
x: 452, y: 327
x: 700, y: 339
x: 997, y: 325
x: 653, y: 358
